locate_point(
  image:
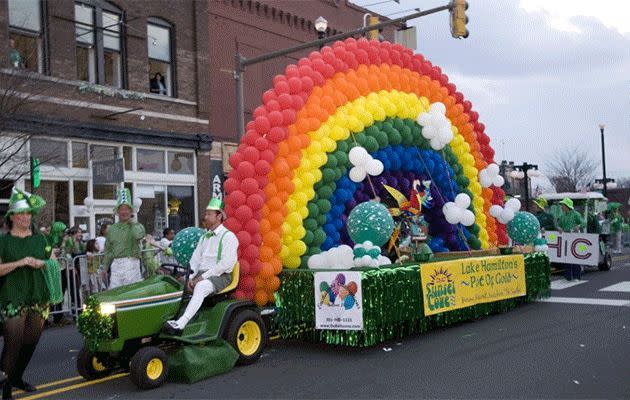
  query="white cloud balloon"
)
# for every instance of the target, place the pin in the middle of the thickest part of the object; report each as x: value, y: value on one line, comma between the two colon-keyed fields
x: 490, y: 176
x: 505, y: 214
x: 457, y: 212
x: 363, y: 164
x: 436, y: 128
x: 337, y: 257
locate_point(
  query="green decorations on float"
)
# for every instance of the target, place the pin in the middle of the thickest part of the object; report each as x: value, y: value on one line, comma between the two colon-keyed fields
x: 524, y: 228
x: 185, y: 242
x: 370, y: 221
x: 94, y: 326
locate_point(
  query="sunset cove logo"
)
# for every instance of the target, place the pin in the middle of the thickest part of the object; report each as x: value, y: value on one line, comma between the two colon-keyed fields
x: 440, y: 290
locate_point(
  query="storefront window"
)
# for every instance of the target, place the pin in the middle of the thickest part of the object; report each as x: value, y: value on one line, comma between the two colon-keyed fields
x: 180, y: 162
x: 80, y: 189
x: 102, y: 153
x: 57, y: 208
x: 128, y: 156
x: 50, y: 152
x: 79, y: 155
x: 104, y: 192
x: 152, y: 212
x: 150, y: 160
x: 5, y: 188
x: 181, y: 207
x: 25, y: 35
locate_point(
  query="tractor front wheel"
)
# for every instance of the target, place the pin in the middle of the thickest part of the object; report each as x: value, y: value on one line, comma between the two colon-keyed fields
x: 90, y: 366
x: 148, y: 368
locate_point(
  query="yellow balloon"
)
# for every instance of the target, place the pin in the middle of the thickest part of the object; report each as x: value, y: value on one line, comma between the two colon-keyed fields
x: 299, y: 232
x: 284, y: 252
x: 292, y: 262
x: 294, y: 219
x: 303, y: 212
x: 291, y: 205
x: 301, y: 197
x: 297, y: 248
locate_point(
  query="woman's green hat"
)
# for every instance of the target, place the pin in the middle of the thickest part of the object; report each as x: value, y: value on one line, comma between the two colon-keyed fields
x: 124, y: 198
x: 22, y: 201
x: 567, y: 202
x: 541, y: 202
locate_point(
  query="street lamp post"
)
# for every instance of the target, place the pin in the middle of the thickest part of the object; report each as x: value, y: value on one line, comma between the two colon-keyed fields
x: 321, y: 24
x: 525, y: 171
x: 605, y: 180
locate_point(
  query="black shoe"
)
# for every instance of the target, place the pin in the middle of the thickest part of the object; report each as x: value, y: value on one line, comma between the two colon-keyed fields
x: 171, y: 330
x: 25, y: 386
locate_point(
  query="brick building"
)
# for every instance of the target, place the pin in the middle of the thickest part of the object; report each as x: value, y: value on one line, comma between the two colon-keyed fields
x: 83, y: 76
x: 80, y: 82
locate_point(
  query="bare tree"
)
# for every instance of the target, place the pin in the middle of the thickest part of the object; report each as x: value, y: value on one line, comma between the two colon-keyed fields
x: 623, y: 182
x: 571, y: 170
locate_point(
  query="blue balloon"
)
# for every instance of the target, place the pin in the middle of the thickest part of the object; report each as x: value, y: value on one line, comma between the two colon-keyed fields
x: 348, y: 302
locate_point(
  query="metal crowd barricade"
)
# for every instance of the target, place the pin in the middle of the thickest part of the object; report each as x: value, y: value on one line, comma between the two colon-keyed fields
x: 71, y: 303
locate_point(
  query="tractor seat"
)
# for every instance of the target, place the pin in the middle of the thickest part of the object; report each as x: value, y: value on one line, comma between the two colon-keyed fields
x: 235, y: 278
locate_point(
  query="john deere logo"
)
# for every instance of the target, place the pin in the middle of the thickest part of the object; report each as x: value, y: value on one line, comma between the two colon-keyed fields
x: 440, y: 290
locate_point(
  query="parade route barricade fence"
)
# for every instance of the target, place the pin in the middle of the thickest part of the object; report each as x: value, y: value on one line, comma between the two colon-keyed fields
x: 78, y: 283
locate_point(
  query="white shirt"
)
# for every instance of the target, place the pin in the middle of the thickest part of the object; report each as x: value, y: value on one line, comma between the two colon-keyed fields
x: 164, y: 243
x: 100, y: 243
x: 204, y: 258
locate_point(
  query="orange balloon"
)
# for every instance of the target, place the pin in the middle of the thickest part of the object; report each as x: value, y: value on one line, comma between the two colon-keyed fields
x: 271, y: 190
x: 283, y: 149
x: 261, y: 297
x: 277, y: 265
x: 272, y: 284
x: 266, y: 269
x: 302, y: 124
x: 276, y: 219
x: 295, y: 144
x: 265, y: 254
x: 265, y: 226
x: 294, y: 159
x: 281, y: 167
x: 271, y: 297
x: 284, y: 184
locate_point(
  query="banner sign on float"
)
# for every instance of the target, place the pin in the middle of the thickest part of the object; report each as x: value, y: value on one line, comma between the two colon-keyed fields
x: 450, y: 285
x: 573, y: 248
x: 338, y: 301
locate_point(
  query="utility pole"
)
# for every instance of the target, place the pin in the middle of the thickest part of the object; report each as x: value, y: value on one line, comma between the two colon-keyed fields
x: 527, y: 170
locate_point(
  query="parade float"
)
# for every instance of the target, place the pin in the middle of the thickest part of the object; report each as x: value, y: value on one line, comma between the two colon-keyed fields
x: 367, y: 203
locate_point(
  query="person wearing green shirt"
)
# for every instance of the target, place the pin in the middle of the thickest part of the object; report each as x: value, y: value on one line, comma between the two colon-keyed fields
x: 616, y: 221
x: 570, y: 221
x: 27, y: 267
x: 545, y: 219
x: 123, y: 245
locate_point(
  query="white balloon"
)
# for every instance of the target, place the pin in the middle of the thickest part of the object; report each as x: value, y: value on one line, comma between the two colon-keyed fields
x: 513, y: 204
x: 462, y: 200
x: 447, y: 136
x: 314, y: 261
x: 493, y: 169
x: 498, y: 181
x: 424, y: 119
x: 357, y: 154
x: 436, y: 144
x: 368, y: 245
x: 468, y: 218
x: 374, y: 167
x: 382, y: 260
x: 357, y: 174
x: 437, y: 108
x: 453, y: 216
x: 495, y: 210
x: 485, y: 180
x: 429, y: 131
x: 506, y: 215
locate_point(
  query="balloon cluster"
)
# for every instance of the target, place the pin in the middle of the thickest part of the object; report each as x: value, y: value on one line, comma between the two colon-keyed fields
x: 457, y: 212
x: 338, y: 289
x: 364, y: 164
x: 340, y: 257
x: 540, y: 244
x: 368, y: 255
x: 314, y: 105
x: 506, y: 214
x: 370, y: 222
x: 490, y: 176
x: 436, y: 127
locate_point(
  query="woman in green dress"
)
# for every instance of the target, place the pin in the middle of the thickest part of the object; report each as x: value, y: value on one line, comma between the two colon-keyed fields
x: 24, y: 294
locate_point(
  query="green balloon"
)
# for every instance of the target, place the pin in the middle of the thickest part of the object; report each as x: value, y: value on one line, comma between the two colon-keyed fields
x: 371, y: 145
x: 361, y: 139
x: 328, y: 175
x: 325, y: 192
x: 319, y: 237
x: 185, y: 242
x: 323, y: 286
x: 398, y: 124
x: 310, y: 224
x: 382, y: 140
x: 524, y: 228
x: 372, y: 130
x: 370, y: 221
x: 359, y: 252
x: 321, y: 219
x: 308, y: 238
x: 324, y: 206
x: 395, y: 139
x: 313, y: 211
x: 332, y: 161
x: 342, y: 158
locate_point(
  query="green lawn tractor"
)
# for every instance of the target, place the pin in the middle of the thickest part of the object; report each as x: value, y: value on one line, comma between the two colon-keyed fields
x: 122, y: 330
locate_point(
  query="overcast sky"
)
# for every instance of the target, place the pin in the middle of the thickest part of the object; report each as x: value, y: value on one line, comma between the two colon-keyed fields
x: 541, y: 73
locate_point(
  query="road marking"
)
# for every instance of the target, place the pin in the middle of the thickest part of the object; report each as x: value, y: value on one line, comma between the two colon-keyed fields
x: 584, y: 300
x: 49, y: 384
x: 560, y: 284
x: 617, y: 287
x: 74, y: 387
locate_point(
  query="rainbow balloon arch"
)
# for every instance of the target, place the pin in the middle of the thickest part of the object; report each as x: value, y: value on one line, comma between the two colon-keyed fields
x: 334, y: 131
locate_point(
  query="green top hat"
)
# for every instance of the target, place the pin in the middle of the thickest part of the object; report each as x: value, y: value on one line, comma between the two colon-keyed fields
x: 541, y: 202
x: 22, y: 201
x: 612, y: 206
x: 124, y: 198
x: 567, y: 202
x: 215, y: 204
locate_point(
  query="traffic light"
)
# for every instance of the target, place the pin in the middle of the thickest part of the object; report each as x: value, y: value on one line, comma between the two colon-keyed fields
x: 374, y: 33
x: 459, y: 19
x: 35, y: 177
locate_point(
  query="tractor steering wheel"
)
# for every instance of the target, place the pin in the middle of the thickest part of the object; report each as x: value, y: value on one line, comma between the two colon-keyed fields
x: 175, y: 270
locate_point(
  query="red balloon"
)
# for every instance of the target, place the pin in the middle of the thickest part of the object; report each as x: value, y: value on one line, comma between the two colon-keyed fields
x: 244, y: 240
x: 247, y: 283
x: 252, y: 226
x: 231, y: 185
x: 262, y: 125
x: 249, y: 186
x: 236, y: 198
x: 277, y: 79
x: 233, y: 224
x: 467, y: 105
x: 305, y: 69
x: 261, y: 144
x: 235, y: 159
x: 249, y: 139
x: 260, y: 111
x: 254, y: 267
x: 277, y: 134
x: 451, y: 88
x: 282, y: 87
x: 250, y: 126
x: 275, y: 118
x: 296, y: 101
x: 288, y: 117
x: 307, y: 83
x: 243, y: 213
x: 261, y: 180
x: 295, y: 84
x: 285, y: 100
x: 267, y: 155
x: 329, y: 57
x: 291, y: 71
x: 244, y: 265
x: 255, y: 201
x: 268, y: 95
x: 273, y: 105
x: 318, y: 79
x: 251, y: 252
x: 251, y: 154
x: 246, y: 170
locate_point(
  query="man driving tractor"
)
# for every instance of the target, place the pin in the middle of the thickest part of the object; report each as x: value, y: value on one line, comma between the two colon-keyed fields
x: 211, y: 264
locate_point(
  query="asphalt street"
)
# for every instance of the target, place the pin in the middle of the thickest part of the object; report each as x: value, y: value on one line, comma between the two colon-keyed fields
x: 575, y: 344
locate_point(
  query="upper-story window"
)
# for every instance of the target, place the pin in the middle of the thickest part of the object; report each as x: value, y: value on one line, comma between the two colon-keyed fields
x: 160, y: 50
x: 98, y: 34
x: 26, y: 35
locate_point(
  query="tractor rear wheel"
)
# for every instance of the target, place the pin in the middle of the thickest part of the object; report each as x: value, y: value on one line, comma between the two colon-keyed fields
x: 247, y: 335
